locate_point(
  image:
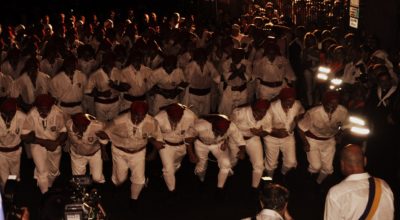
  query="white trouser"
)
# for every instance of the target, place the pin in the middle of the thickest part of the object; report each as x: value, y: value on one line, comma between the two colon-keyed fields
x: 160, y: 101
x: 223, y: 159
x: 255, y: 152
x: 287, y: 146
x: 171, y: 157
x: 47, y: 166
x: 136, y: 163
x: 79, y: 162
x: 198, y: 104
x: 320, y: 156
x: 309, y: 86
x: 232, y: 99
x: 106, y: 112
x: 9, y: 165
x: 266, y: 92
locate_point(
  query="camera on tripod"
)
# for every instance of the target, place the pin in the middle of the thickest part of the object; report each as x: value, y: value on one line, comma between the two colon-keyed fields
x: 84, y: 204
x: 12, y: 211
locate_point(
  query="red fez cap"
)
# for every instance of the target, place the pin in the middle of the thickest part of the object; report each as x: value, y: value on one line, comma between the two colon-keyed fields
x: 331, y: 95
x: 140, y: 107
x: 175, y: 110
x: 261, y: 104
x: 287, y: 93
x: 80, y: 119
x: 44, y: 100
x: 9, y: 105
x: 221, y: 124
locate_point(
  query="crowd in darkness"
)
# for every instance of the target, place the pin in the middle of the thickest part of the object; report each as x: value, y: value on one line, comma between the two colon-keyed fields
x: 211, y: 62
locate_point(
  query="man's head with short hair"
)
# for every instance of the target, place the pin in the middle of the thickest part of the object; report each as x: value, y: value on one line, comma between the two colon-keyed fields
x: 352, y: 160
x: 275, y: 197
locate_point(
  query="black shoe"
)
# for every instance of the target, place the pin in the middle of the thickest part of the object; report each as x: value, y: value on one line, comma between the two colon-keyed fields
x: 133, y: 204
x: 220, y: 194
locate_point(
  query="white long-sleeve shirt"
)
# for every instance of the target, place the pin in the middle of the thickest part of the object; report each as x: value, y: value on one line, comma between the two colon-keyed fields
x: 244, y: 120
x: 276, y: 117
x: 319, y: 123
x: 203, y: 130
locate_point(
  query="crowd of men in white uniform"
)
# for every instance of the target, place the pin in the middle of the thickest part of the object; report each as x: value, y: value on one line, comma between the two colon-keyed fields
x: 86, y: 84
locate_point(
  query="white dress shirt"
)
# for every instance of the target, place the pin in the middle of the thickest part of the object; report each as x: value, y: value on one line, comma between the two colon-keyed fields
x: 28, y: 90
x: 244, y: 119
x: 348, y: 199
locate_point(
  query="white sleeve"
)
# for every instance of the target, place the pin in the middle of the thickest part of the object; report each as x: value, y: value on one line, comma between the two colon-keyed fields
x: 236, y: 136
x: 332, y: 208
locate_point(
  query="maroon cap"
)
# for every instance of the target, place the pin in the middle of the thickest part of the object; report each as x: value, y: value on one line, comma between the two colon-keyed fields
x: 261, y: 104
x: 175, y: 111
x: 331, y: 95
x: 287, y: 93
x: 44, y: 100
x: 9, y: 105
x: 139, y: 107
x: 80, y: 119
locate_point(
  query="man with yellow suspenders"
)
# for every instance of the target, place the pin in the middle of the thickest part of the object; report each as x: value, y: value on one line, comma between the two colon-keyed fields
x: 359, y: 196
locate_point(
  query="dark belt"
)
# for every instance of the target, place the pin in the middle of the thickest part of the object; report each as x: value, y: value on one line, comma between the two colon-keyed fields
x: 210, y: 144
x: 174, y: 144
x: 271, y: 84
x: 87, y: 155
x: 106, y: 101
x: 239, y: 88
x: 246, y: 138
x: 169, y: 93
x: 9, y: 149
x: 199, y: 92
x: 132, y: 98
x: 70, y: 104
x: 130, y: 151
x: 313, y: 136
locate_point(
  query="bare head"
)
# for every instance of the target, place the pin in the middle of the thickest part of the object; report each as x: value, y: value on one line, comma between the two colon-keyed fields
x: 352, y: 160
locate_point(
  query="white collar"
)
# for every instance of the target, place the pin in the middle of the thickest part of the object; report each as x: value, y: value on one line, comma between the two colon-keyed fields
x: 357, y: 176
x: 272, y: 213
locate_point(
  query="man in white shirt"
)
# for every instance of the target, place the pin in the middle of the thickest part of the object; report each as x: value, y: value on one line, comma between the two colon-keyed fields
x: 30, y: 84
x: 100, y: 86
x: 85, y: 145
x: 129, y: 134
x: 349, y: 199
x: 237, y: 72
x: 134, y: 78
x: 274, y: 199
x: 67, y: 86
x: 249, y: 120
x: 166, y: 81
x: 174, y: 121
x: 200, y: 74
x: 281, y: 119
x: 318, y: 131
x: 11, y: 123
x: 211, y: 133
x: 272, y: 72
x: 45, y: 128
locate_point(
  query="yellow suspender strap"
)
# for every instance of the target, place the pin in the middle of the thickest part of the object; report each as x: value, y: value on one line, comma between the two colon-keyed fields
x: 377, y: 198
